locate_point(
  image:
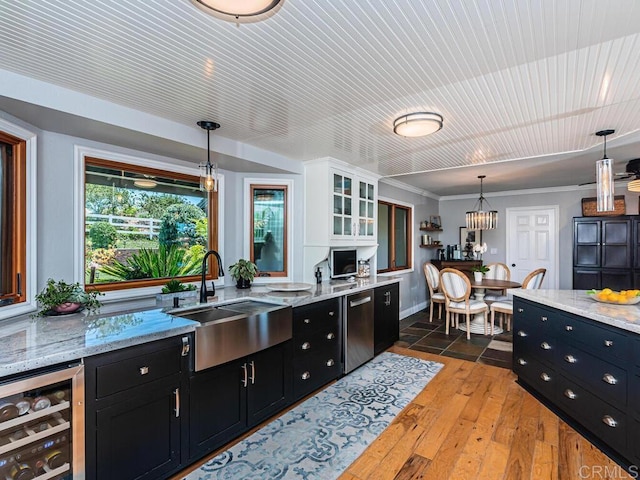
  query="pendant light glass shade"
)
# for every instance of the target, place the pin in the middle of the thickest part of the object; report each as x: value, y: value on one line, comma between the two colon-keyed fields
x: 604, y: 178
x: 417, y: 124
x: 208, y: 171
x: 478, y: 218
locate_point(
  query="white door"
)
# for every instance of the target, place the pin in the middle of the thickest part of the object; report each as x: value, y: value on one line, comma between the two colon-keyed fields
x: 532, y: 242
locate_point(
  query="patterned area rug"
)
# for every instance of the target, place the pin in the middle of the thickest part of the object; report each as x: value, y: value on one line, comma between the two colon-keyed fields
x: 321, y: 437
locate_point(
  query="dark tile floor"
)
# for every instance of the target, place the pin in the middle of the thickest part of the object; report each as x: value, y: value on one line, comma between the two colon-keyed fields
x: 416, y: 333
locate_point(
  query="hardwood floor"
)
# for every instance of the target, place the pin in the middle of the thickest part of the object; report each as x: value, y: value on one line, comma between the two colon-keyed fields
x: 472, y: 421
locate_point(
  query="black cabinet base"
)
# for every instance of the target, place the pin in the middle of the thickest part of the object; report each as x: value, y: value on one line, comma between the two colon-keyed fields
x: 628, y: 466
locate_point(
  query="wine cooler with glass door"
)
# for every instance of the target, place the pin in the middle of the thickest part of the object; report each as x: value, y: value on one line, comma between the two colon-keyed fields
x: 41, y: 426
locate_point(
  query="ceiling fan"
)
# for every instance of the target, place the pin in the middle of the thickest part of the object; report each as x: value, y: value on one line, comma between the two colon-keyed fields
x: 632, y: 170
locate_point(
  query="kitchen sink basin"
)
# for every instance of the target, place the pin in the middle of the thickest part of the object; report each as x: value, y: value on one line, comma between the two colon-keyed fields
x: 235, y: 330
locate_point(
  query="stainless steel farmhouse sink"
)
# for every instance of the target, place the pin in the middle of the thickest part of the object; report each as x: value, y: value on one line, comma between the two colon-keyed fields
x: 234, y: 330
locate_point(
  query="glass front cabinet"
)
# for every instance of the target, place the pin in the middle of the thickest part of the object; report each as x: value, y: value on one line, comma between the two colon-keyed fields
x: 353, y: 202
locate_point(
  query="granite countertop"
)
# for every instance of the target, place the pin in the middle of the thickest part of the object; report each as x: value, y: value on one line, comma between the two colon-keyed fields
x: 31, y: 343
x: 625, y: 317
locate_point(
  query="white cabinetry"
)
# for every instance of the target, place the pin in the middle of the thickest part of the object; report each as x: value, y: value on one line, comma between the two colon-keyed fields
x: 340, y: 211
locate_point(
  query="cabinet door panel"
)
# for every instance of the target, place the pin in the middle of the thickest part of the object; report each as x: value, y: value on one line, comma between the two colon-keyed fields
x: 217, y: 404
x: 139, y: 437
x: 617, y: 279
x: 587, y: 231
x: 586, y: 279
x: 587, y: 256
x: 386, y: 328
x: 270, y: 387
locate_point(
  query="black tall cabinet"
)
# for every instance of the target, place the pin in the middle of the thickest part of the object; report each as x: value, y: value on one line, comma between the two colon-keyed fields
x: 606, y: 252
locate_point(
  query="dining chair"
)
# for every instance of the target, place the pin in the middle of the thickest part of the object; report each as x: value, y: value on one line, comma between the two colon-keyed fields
x: 497, y: 271
x: 456, y: 287
x: 532, y: 281
x: 432, y: 274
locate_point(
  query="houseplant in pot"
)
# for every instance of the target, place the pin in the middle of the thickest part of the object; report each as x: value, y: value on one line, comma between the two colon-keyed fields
x: 478, y: 272
x: 244, y: 272
x: 175, y: 288
x: 59, y: 298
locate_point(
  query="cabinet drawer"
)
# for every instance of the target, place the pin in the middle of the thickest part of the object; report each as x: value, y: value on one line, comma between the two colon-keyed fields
x: 634, y: 393
x: 312, y: 372
x: 603, y: 379
x: 141, y: 365
x: 606, y: 343
x: 533, y: 342
x: 325, y: 339
x: 315, y: 316
x: 528, y: 315
x: 605, y: 421
x: 540, y: 376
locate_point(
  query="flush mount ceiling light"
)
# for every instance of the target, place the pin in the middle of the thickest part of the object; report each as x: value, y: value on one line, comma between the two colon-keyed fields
x: 208, y: 172
x: 145, y: 183
x: 417, y: 124
x: 245, y: 11
x: 604, y: 178
x: 480, y: 219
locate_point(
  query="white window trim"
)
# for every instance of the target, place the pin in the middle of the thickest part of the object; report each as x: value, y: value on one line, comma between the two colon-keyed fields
x: 247, y: 221
x: 80, y: 153
x: 412, y: 240
x: 29, y: 305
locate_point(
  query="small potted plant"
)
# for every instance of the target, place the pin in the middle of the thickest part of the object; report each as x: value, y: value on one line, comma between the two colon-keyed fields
x: 244, y: 272
x: 59, y: 298
x: 175, y: 288
x: 478, y: 272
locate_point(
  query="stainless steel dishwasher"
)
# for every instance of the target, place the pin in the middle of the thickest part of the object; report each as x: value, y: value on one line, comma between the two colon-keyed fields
x: 358, y: 329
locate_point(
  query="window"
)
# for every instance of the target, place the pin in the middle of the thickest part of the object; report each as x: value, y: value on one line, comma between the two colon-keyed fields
x: 144, y: 226
x: 394, y: 237
x: 268, y: 248
x: 13, y: 219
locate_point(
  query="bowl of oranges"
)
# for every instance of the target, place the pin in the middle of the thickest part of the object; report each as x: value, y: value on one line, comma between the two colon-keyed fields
x: 623, y: 297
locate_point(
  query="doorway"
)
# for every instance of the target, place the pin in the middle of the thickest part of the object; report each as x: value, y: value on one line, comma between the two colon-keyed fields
x: 533, y: 242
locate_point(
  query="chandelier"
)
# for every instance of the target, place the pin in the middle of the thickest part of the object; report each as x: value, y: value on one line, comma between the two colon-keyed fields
x: 480, y: 219
x: 208, y: 172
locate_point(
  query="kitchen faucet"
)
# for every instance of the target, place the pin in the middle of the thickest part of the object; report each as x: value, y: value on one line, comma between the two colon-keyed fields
x: 203, y: 286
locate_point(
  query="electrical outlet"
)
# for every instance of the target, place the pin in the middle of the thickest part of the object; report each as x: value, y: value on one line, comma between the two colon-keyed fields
x: 494, y: 251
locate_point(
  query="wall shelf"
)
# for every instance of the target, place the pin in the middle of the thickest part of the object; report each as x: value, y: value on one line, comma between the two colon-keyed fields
x: 430, y: 229
x: 432, y: 245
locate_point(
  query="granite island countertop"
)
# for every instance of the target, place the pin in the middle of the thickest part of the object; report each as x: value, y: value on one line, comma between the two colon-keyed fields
x: 31, y: 343
x: 625, y: 317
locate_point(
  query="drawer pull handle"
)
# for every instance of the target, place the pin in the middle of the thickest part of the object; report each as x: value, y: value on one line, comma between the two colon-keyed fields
x: 144, y: 370
x: 330, y: 362
x: 544, y: 319
x: 608, y: 343
x: 520, y: 310
x: 244, y: 376
x: 610, y: 379
x: 176, y: 393
x: 570, y: 359
x: 545, y: 346
x: 568, y: 328
x: 253, y: 372
x: 306, y: 346
x: 522, y: 361
x: 609, y: 421
x: 331, y: 313
x: 570, y: 394
x: 545, y: 376
x: 331, y: 336
x: 307, y: 320
x: 521, y: 333
x: 305, y: 376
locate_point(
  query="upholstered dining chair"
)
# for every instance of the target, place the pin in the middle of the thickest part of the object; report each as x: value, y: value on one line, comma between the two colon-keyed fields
x: 432, y: 274
x: 497, y: 271
x: 532, y: 281
x: 457, y: 291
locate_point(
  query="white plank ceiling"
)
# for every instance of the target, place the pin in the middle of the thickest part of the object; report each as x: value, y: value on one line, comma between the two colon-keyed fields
x: 522, y: 84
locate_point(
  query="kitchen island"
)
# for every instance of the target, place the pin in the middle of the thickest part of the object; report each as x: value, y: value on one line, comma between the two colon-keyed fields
x: 581, y: 358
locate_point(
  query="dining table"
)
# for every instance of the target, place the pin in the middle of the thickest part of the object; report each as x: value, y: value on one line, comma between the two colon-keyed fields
x: 477, y: 323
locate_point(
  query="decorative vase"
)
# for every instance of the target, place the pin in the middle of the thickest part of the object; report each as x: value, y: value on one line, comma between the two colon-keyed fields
x: 67, y: 307
x: 243, y: 283
x: 477, y: 277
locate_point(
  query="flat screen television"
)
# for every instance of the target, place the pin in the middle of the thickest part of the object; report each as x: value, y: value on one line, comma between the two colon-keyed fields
x: 343, y: 263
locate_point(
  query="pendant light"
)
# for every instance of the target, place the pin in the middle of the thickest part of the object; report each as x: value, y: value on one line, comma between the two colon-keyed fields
x: 604, y: 178
x: 479, y: 219
x: 208, y: 172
